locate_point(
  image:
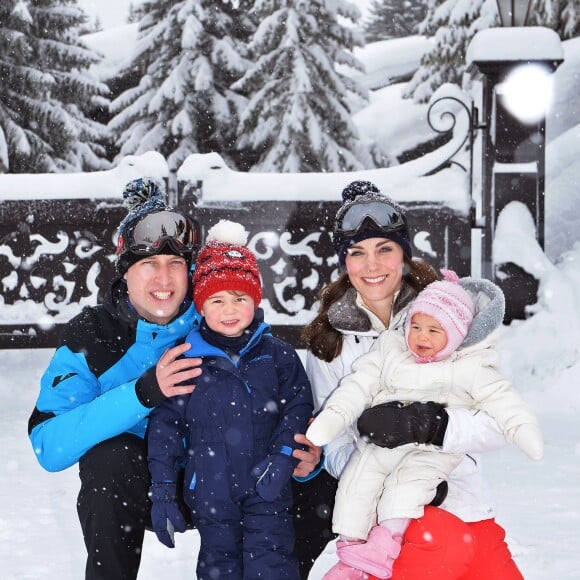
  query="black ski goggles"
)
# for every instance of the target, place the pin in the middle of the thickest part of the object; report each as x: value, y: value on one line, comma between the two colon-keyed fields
x: 350, y: 218
x: 149, y: 234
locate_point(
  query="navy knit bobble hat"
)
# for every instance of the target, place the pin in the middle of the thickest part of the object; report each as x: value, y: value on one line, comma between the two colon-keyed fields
x: 144, y: 197
x: 365, y: 192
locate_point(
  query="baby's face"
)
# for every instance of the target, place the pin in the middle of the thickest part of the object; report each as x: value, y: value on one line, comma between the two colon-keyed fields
x: 426, y: 336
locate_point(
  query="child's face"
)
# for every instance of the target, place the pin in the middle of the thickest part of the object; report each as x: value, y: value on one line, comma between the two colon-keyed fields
x: 228, y: 312
x: 426, y: 337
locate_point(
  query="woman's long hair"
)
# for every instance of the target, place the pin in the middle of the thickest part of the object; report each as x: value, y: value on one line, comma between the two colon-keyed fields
x: 322, y: 339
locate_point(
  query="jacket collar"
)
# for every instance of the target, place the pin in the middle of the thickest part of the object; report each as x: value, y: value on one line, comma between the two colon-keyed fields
x: 345, y: 315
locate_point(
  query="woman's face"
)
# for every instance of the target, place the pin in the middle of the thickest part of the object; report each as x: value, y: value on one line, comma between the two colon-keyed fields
x: 375, y: 269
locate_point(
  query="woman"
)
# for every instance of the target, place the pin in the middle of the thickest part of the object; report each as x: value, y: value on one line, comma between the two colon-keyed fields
x: 381, y: 279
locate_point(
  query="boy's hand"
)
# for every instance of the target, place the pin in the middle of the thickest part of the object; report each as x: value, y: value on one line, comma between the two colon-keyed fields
x: 273, y: 475
x: 165, y: 513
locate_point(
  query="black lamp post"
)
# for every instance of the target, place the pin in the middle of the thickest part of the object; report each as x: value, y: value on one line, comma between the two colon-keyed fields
x: 511, y: 166
x: 513, y: 12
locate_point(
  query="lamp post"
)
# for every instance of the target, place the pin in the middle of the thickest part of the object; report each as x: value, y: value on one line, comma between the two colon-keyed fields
x: 513, y: 12
x: 510, y: 161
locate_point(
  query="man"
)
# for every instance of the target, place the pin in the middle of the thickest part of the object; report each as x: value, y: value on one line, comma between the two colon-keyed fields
x: 115, y: 363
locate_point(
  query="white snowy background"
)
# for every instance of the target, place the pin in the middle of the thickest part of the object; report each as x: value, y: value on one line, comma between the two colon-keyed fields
x: 537, y: 503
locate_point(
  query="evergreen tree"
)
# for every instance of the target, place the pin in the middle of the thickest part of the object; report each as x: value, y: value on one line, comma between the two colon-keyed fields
x: 452, y: 24
x: 135, y: 13
x: 563, y: 16
x: 298, y: 118
x: 394, y: 19
x: 46, y: 92
x: 188, y: 58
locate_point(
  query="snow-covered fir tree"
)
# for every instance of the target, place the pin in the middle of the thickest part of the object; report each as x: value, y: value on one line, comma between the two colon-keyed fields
x: 393, y: 19
x: 452, y: 23
x: 563, y: 16
x: 189, y: 56
x: 46, y: 93
x: 298, y: 118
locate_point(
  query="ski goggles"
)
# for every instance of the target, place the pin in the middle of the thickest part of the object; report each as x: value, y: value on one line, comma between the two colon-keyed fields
x: 150, y: 233
x: 350, y: 218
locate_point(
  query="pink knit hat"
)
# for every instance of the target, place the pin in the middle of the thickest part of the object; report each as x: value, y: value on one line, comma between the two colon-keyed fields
x: 450, y: 305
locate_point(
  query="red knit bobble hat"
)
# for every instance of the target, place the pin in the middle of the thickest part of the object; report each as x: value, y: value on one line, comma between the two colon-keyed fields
x: 447, y: 302
x: 226, y: 263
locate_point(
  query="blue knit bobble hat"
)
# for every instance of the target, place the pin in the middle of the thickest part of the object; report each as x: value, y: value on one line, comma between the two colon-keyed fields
x: 142, y: 197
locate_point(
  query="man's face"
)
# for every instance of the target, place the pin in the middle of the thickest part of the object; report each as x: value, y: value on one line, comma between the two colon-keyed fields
x: 157, y: 285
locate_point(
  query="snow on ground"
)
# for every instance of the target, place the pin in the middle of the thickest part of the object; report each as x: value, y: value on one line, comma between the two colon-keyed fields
x: 537, y: 503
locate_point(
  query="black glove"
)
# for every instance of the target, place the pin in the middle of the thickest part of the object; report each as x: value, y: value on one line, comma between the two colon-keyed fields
x: 440, y: 494
x: 393, y: 424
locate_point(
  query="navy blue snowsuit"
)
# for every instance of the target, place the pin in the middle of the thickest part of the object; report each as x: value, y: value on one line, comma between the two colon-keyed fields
x: 240, y: 412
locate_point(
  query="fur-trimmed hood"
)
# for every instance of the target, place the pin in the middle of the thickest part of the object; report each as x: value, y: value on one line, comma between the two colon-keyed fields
x: 347, y: 317
x: 489, y: 302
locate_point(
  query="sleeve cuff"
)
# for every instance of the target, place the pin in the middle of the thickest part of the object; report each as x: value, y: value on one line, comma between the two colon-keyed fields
x: 314, y: 472
x: 148, y: 391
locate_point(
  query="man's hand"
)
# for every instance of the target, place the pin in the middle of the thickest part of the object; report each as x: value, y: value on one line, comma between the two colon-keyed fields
x: 172, y: 371
x: 308, y: 459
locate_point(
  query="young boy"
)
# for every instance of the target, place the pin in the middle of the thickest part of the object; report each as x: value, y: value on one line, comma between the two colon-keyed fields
x: 238, y: 425
x: 391, y: 486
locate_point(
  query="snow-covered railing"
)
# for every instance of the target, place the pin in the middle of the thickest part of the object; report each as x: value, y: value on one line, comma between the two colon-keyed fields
x: 57, y: 232
x: 57, y: 245
x: 289, y: 217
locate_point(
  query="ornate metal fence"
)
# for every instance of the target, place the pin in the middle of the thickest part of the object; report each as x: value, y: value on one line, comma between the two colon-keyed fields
x: 57, y: 256
x: 293, y: 245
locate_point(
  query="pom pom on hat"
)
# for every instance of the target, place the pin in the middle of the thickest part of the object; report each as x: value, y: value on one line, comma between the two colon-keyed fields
x: 447, y: 302
x: 227, y: 232
x: 141, y: 196
x: 359, y: 188
x: 226, y: 263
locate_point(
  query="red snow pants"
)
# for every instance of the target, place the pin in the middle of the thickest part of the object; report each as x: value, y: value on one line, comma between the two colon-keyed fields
x: 440, y: 546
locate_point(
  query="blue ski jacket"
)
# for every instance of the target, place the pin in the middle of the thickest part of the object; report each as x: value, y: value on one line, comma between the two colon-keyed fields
x: 87, y: 394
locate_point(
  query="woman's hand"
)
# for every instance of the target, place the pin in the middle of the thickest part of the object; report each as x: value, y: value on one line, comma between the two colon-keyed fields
x: 308, y: 459
x: 395, y: 423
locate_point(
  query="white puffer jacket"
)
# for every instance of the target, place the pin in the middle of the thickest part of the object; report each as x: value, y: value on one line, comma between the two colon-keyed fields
x: 468, y: 432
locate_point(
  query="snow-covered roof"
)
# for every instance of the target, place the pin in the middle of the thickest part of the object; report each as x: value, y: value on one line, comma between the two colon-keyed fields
x: 387, y: 61
x: 530, y: 43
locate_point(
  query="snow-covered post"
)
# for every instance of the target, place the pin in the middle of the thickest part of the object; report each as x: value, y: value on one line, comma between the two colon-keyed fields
x: 513, y: 67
